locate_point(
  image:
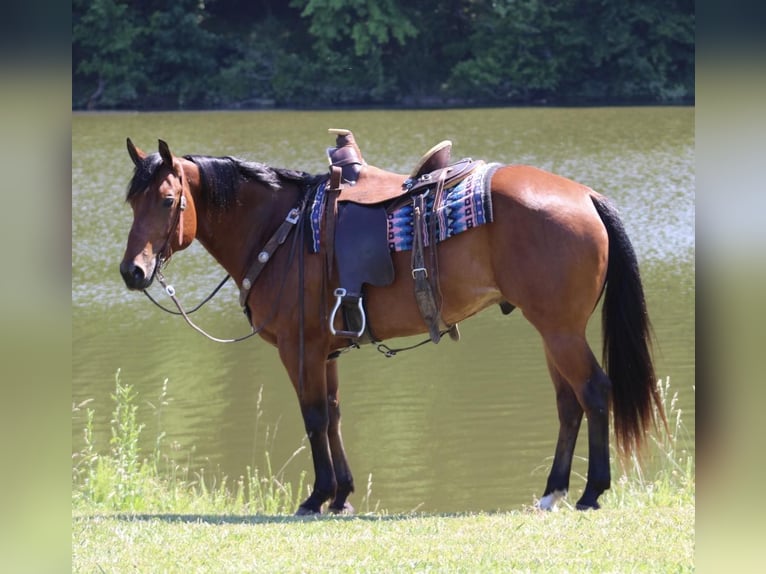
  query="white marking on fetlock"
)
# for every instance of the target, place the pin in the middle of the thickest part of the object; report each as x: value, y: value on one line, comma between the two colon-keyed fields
x: 548, y: 502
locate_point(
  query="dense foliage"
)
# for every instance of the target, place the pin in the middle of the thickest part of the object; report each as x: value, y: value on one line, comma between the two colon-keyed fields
x: 187, y: 54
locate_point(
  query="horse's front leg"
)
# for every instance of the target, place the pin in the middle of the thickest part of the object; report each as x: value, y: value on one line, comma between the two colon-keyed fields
x: 312, y: 395
x: 343, y: 476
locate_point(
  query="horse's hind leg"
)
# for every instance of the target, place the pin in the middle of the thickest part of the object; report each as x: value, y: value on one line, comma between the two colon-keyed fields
x: 573, y: 358
x: 596, y: 398
x: 570, y: 417
x: 343, y: 476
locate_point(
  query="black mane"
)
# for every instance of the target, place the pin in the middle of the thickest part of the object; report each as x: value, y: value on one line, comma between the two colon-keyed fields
x: 221, y: 177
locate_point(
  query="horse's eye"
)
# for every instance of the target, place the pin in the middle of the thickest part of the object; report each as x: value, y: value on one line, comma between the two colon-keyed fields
x: 168, y: 202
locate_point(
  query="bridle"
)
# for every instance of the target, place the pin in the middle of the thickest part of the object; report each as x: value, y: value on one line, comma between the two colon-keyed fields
x: 162, y: 259
x: 294, y: 217
x: 178, y: 223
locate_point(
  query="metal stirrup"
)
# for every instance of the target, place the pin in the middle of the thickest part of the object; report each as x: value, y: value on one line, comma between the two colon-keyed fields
x: 339, y: 294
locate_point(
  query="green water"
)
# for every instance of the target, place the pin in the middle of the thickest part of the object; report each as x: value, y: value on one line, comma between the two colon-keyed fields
x: 453, y: 427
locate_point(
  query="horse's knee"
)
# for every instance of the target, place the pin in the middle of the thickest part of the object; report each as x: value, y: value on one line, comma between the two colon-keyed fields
x: 333, y: 411
x: 316, y: 419
x: 595, y: 394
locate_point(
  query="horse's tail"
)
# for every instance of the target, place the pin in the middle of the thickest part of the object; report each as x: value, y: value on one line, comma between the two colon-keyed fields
x: 627, y: 356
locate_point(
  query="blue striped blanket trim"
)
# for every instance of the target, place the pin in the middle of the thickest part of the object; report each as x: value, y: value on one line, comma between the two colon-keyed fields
x: 464, y: 206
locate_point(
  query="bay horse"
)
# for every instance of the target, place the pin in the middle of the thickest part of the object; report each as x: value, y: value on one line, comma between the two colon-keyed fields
x: 553, y: 248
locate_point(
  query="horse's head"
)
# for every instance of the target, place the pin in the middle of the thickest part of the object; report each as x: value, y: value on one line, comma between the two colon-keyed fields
x: 164, y: 218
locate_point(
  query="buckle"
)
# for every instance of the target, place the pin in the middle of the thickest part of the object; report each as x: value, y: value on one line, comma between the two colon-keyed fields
x: 293, y: 216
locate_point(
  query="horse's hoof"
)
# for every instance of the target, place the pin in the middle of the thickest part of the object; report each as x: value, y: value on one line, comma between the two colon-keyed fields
x: 347, y: 510
x: 303, y: 511
x: 549, y: 501
x: 584, y: 506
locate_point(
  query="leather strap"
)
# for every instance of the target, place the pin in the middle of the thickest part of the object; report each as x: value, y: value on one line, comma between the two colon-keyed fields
x: 453, y: 331
x: 424, y: 294
x: 452, y: 175
x: 432, y: 239
x: 264, y: 256
x: 181, y: 208
x: 331, y: 213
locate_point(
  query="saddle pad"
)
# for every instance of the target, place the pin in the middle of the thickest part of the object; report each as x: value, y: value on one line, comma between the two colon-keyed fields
x: 465, y: 205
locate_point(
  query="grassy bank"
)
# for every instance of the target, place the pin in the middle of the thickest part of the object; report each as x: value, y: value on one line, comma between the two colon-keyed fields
x: 141, y: 512
x: 640, y: 539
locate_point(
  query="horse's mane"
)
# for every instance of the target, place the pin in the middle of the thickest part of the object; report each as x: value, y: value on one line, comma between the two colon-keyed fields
x: 221, y: 177
x: 143, y: 174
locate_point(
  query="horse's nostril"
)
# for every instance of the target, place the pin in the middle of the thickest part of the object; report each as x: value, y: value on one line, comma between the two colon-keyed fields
x: 138, y: 274
x: 132, y: 274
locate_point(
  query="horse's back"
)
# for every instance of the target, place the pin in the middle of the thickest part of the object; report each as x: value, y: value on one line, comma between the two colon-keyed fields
x: 537, y: 188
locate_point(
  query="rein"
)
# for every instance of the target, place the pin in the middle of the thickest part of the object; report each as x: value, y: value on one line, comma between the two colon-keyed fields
x: 195, y: 309
x: 171, y: 292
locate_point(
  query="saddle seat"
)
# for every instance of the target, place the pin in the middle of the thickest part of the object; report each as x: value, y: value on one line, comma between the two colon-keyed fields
x: 370, y: 185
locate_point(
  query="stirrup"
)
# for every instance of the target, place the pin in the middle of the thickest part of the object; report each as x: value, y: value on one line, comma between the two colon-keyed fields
x: 340, y: 293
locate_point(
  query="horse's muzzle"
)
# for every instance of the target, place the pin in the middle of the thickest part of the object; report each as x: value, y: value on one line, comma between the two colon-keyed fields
x: 134, y: 276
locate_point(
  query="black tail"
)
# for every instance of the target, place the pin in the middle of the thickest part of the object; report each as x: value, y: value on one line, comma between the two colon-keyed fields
x: 627, y: 356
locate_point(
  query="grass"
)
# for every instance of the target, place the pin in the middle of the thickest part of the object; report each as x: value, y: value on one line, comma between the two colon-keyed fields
x: 148, y: 514
x: 124, y: 480
x: 613, y: 540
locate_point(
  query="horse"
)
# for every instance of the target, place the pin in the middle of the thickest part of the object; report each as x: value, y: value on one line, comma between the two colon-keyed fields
x: 554, y: 248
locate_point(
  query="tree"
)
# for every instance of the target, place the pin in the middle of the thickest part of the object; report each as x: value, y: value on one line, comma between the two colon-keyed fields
x: 103, y: 34
x: 579, y: 51
x: 352, y: 37
x: 368, y: 24
x: 179, y: 56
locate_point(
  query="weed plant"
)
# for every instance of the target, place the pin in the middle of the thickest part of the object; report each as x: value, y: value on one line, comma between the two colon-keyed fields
x: 663, y: 475
x: 124, y: 479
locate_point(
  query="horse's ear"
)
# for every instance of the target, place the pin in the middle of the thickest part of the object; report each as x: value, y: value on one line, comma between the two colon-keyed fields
x: 135, y: 154
x: 167, y: 157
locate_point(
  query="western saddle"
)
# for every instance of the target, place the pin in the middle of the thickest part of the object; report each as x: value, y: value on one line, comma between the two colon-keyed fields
x: 359, y: 196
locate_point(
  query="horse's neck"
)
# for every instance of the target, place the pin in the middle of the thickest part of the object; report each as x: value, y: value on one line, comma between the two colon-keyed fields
x: 233, y: 237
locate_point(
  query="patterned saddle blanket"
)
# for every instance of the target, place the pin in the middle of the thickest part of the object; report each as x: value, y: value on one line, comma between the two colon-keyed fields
x: 464, y: 206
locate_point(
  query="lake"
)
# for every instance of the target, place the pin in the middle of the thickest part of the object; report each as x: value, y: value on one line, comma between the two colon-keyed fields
x: 452, y: 427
